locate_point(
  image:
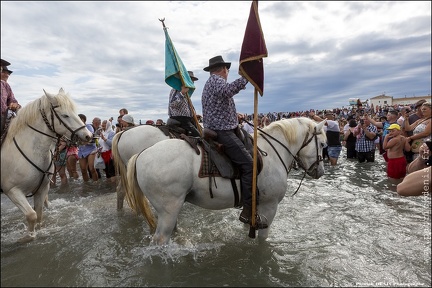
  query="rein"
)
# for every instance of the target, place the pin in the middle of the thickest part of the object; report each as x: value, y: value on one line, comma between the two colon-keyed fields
x: 51, y: 128
x: 46, y: 173
x: 306, y: 141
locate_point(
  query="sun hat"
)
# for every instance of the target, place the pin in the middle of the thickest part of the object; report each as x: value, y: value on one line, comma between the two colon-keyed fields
x: 192, y: 76
x: 393, y: 126
x: 215, y: 62
x: 128, y: 119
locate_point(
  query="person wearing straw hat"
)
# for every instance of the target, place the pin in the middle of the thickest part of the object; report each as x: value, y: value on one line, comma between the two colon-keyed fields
x: 178, y: 109
x: 220, y: 115
x: 9, y: 104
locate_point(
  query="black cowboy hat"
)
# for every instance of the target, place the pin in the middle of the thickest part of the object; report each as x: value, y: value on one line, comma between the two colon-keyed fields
x: 217, y: 61
x: 4, y: 63
x: 192, y: 76
x: 4, y: 68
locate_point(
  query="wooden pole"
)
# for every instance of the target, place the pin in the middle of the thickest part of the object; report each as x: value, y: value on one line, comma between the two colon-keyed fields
x: 252, y: 229
x: 192, y: 108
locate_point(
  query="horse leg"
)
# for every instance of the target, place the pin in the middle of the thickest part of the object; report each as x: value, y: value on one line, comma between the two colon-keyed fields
x: 267, y: 210
x: 39, y: 200
x: 46, y: 202
x: 167, y: 221
x: 19, y: 199
x: 120, y: 195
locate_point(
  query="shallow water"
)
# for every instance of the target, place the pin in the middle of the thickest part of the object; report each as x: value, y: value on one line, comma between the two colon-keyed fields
x: 348, y: 228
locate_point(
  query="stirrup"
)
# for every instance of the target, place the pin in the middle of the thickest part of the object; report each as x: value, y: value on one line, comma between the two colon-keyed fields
x: 259, y: 223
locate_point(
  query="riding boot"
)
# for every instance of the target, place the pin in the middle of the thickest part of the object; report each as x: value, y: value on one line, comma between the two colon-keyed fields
x: 246, y: 217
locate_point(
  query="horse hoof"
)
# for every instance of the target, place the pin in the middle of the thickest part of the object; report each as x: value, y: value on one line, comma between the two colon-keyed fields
x: 27, y: 238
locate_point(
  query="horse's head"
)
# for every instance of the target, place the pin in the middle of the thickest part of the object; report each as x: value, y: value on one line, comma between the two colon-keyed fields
x: 305, y: 140
x: 309, y: 156
x: 62, y: 117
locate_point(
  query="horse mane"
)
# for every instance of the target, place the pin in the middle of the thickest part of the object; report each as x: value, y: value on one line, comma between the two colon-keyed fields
x: 30, y: 113
x: 291, y: 128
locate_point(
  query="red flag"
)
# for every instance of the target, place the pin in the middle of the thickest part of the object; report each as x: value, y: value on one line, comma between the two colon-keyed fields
x: 253, y: 50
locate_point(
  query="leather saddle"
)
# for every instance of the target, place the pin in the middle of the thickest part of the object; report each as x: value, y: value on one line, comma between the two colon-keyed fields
x: 214, y: 162
x: 172, y: 128
x: 217, y: 162
x: 223, y: 163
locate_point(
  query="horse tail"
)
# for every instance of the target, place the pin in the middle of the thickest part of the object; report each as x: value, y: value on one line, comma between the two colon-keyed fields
x: 115, y: 153
x: 120, y: 168
x: 135, y: 197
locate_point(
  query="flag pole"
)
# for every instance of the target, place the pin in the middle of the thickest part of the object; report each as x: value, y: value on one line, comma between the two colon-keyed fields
x: 194, y: 113
x: 252, y: 229
x: 191, y: 107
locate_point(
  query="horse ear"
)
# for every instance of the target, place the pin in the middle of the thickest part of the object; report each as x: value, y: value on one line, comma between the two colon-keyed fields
x: 47, y: 94
x: 320, y: 125
x: 51, y: 98
x: 61, y: 91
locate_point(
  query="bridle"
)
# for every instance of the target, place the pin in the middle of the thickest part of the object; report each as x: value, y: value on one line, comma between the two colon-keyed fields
x: 51, y: 126
x: 296, y: 157
x: 57, y: 137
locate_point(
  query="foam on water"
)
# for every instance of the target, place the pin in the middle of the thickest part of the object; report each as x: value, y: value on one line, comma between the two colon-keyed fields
x: 343, y: 229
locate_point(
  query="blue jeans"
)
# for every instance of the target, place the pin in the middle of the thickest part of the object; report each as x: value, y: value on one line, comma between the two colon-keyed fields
x: 334, y: 151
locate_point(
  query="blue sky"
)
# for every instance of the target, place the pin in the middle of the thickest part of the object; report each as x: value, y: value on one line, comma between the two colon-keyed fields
x: 110, y: 55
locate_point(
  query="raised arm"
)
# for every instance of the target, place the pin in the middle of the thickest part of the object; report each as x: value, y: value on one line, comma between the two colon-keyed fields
x: 378, y: 124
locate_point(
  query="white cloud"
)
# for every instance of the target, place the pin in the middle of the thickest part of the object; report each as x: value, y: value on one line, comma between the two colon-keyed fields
x: 110, y: 55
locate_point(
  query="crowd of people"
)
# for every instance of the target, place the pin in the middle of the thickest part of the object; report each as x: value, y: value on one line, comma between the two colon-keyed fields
x: 400, y: 134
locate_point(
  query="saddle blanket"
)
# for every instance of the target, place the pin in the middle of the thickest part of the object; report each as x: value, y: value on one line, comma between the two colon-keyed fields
x: 205, y: 170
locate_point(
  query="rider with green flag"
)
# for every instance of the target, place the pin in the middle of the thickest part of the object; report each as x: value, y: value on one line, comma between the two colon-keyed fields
x: 178, y: 109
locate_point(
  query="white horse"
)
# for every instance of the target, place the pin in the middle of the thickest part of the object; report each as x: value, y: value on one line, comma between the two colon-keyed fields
x: 167, y: 175
x: 28, y: 149
x: 127, y: 143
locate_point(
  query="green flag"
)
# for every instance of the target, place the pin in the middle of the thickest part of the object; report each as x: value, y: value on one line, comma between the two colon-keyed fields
x: 176, y: 74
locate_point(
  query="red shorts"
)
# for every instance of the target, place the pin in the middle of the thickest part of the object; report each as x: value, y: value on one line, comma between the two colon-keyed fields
x: 396, y: 167
x: 106, y: 156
